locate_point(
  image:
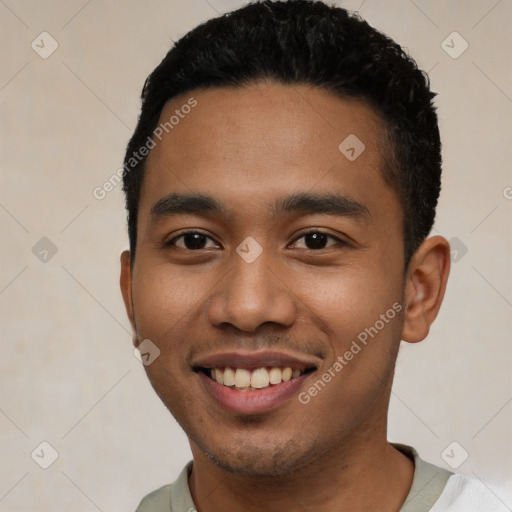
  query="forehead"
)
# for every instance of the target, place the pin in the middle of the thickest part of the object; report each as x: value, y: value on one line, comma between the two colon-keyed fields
x: 248, y: 143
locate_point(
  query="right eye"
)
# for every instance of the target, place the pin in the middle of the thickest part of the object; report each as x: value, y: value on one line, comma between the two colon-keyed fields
x: 190, y: 240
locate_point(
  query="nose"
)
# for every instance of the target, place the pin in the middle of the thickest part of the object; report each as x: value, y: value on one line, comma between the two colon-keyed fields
x: 252, y: 294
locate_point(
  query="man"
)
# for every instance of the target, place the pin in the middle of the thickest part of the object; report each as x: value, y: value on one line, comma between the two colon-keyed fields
x: 281, y: 185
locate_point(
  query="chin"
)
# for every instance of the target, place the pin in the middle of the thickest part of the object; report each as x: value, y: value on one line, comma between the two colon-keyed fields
x: 253, y: 459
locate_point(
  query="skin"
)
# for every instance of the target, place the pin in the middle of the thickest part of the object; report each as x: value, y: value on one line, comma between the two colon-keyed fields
x: 246, y: 147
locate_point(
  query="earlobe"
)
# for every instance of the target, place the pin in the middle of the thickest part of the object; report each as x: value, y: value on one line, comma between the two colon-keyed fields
x: 125, y: 282
x: 425, y: 286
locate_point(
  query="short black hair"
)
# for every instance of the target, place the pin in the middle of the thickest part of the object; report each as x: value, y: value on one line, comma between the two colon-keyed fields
x: 307, y: 42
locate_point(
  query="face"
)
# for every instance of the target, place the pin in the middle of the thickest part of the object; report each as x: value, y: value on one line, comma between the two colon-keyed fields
x: 263, y: 250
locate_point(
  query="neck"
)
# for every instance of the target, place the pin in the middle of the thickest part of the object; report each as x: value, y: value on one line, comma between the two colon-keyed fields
x: 367, y: 475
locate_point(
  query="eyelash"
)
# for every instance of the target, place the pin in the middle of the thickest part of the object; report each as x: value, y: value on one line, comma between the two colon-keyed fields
x: 171, y: 242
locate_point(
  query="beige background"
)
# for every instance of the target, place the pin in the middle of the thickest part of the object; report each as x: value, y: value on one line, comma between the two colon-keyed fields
x: 68, y: 373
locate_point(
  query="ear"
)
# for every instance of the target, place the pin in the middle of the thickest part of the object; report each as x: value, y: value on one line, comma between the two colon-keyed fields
x: 126, y: 288
x: 425, y: 285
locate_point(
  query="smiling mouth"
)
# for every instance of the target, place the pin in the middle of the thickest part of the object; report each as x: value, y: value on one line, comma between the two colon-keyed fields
x: 243, y: 379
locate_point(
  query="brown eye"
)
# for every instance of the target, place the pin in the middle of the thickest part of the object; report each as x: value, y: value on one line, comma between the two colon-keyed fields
x: 191, y: 240
x: 316, y: 240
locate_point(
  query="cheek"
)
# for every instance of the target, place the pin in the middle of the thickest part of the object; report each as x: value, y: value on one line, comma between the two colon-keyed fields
x: 360, y: 313
x: 349, y: 299
x: 163, y: 299
x: 361, y: 317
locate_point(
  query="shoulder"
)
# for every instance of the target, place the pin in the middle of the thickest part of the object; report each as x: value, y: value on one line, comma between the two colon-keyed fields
x: 464, y: 493
x: 170, y: 498
x: 435, y: 489
x: 156, y: 501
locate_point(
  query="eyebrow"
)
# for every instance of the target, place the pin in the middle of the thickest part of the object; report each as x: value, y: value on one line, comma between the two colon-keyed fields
x: 301, y: 203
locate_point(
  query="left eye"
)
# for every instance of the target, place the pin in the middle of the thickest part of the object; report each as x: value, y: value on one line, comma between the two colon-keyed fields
x: 315, y: 240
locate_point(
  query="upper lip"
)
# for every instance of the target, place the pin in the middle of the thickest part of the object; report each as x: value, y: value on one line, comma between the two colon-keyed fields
x: 251, y: 360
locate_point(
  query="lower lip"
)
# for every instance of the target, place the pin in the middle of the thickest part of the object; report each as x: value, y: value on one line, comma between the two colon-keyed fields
x: 252, y: 402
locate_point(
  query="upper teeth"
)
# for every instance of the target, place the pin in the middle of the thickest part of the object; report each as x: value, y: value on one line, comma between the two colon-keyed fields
x: 244, y: 380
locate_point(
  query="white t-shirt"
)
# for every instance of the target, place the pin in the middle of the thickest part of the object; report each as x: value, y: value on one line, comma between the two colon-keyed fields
x: 433, y: 489
x: 467, y: 494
